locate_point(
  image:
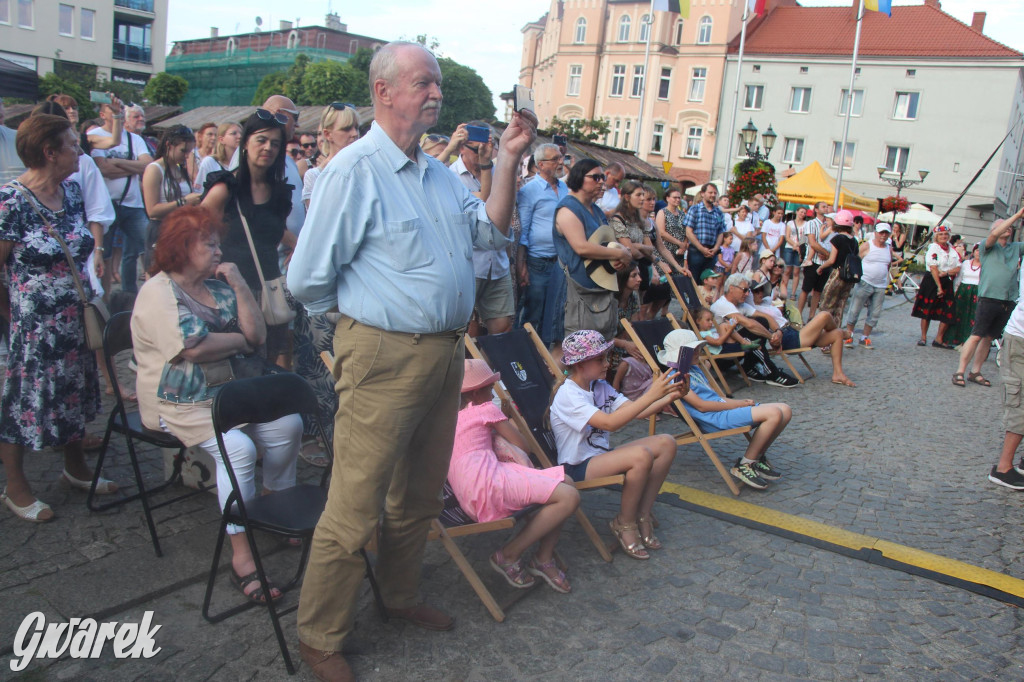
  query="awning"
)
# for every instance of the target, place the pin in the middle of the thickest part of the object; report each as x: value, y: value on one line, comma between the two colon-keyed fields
x: 17, y: 81
x: 813, y: 184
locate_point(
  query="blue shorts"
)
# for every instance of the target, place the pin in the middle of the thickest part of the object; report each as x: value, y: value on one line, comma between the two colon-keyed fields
x: 790, y: 338
x: 790, y: 257
x: 577, y: 472
x: 726, y: 419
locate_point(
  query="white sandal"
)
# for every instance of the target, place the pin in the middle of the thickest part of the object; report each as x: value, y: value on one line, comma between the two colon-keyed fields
x: 103, y: 486
x: 28, y: 513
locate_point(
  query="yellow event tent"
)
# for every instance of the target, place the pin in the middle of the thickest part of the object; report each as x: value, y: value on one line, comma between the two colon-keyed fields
x: 813, y: 184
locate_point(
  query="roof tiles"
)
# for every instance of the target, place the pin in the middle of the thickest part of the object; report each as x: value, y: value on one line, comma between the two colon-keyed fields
x: 916, y: 31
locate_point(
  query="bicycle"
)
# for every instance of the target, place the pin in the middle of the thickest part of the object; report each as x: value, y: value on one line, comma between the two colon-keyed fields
x: 906, y: 285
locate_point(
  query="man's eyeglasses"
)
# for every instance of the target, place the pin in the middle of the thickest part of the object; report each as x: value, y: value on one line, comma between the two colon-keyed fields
x: 744, y: 289
x: 295, y: 152
x: 557, y: 159
x: 475, y: 150
x: 308, y: 145
x: 597, y: 177
x: 266, y: 115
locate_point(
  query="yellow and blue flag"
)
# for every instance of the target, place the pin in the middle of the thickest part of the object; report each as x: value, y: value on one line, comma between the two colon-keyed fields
x: 884, y: 6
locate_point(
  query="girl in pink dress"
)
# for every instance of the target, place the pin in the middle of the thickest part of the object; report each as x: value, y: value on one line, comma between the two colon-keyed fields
x: 489, y: 489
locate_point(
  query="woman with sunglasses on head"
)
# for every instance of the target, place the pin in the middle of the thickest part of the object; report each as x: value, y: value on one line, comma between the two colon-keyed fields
x: 165, y: 184
x: 229, y: 135
x: 258, y: 190
x: 444, y: 148
x: 341, y: 128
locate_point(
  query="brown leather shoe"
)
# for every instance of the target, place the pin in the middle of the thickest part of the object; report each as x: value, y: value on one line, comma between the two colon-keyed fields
x: 326, y: 666
x: 423, y: 616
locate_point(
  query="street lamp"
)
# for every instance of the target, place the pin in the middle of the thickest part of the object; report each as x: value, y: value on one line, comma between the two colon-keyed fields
x: 899, y: 183
x: 768, y: 137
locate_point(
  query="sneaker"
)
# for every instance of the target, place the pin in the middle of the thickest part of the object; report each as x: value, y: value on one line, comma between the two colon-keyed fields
x: 1020, y: 467
x: 847, y: 343
x: 756, y: 376
x: 1012, y: 479
x: 747, y: 475
x: 866, y: 343
x: 765, y: 470
x: 781, y: 380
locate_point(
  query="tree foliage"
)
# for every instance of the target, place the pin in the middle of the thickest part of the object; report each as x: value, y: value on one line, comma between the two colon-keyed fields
x: 166, y: 88
x: 360, y: 61
x: 272, y: 84
x: 466, y: 97
x: 578, y: 128
x: 330, y: 81
x: 52, y: 84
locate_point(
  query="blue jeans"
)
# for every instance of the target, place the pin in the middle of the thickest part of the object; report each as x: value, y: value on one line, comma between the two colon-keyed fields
x: 132, y: 222
x: 698, y: 262
x: 544, y: 298
x: 865, y: 294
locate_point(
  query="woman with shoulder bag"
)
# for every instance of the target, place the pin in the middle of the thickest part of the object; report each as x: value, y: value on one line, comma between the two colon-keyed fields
x: 194, y: 321
x: 255, y: 201
x: 577, y: 218
x: 52, y: 386
x: 841, y: 246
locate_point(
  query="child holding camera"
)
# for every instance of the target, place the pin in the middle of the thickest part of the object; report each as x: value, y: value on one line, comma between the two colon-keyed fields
x: 586, y: 409
x: 490, y: 485
x: 712, y: 412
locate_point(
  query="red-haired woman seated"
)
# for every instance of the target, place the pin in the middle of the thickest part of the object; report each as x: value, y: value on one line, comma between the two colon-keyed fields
x: 192, y: 316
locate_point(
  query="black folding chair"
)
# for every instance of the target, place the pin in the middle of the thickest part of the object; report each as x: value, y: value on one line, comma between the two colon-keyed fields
x: 289, y: 513
x: 529, y: 373
x: 117, y: 337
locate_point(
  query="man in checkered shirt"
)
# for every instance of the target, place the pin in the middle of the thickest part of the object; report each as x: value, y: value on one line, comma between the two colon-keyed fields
x: 705, y: 227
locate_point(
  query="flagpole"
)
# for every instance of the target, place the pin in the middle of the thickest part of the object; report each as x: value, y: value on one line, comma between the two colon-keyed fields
x: 643, y: 87
x: 736, y: 96
x: 849, y: 107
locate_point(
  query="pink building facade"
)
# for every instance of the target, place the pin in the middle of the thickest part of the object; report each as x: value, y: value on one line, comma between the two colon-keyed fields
x: 586, y: 59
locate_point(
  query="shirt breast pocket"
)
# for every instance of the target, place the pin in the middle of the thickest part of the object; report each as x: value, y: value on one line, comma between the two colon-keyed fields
x: 405, y: 244
x: 463, y: 231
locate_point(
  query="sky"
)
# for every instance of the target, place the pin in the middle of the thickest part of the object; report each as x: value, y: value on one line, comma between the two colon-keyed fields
x: 482, y: 34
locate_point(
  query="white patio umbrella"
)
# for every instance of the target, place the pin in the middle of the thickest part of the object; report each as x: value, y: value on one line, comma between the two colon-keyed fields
x: 692, y: 191
x: 917, y: 214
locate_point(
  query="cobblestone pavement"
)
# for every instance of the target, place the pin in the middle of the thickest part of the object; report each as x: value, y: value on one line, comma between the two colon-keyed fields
x: 902, y: 457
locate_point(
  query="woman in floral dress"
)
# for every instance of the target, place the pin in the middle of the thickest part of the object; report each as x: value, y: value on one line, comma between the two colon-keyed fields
x: 51, y: 386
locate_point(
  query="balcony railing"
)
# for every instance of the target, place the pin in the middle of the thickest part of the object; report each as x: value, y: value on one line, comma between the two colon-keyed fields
x: 140, y: 5
x: 126, y: 52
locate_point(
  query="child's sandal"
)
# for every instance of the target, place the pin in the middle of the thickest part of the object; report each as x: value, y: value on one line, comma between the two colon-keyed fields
x: 558, y: 581
x: 635, y: 549
x: 649, y: 540
x: 512, y: 571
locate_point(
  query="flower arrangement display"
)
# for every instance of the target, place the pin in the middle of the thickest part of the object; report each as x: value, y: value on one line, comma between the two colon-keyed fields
x: 750, y: 178
x: 896, y: 204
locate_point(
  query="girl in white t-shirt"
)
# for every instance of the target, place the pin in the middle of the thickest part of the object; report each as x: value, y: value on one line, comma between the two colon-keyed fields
x: 773, y: 232
x: 586, y: 409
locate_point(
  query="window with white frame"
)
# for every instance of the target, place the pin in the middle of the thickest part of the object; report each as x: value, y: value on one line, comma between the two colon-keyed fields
x: 665, y: 83
x: 581, y: 31
x: 793, y: 150
x: 25, y: 14
x: 694, y: 140
x: 5, y: 11
x: 87, y: 25
x: 645, y: 28
x: 800, y: 101
x: 851, y: 147
x: 677, y: 35
x: 753, y: 97
x: 575, y: 76
x: 858, y: 102
x: 625, y: 139
x: 66, y: 20
x: 896, y: 159
x: 657, y: 138
x: 615, y: 133
x: 624, y: 23
x: 637, y: 87
x: 906, y: 106
x: 698, y: 81
x: 704, y: 31
x: 618, y: 79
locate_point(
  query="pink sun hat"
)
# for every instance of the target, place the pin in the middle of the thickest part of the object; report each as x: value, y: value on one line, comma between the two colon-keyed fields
x: 477, y: 375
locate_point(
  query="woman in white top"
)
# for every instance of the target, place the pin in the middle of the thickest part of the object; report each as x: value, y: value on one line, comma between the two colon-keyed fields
x: 340, y: 124
x: 165, y: 184
x: 206, y: 142
x: 773, y: 232
x: 791, y: 246
x: 935, y: 298
x: 742, y: 225
x: 229, y: 136
x: 966, y: 299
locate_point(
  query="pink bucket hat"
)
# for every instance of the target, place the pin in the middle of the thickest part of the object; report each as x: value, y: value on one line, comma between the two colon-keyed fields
x: 477, y: 375
x: 583, y: 345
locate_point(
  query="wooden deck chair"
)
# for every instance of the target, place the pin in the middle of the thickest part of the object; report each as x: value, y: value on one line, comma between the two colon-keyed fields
x: 529, y: 378
x: 454, y: 522
x: 685, y: 291
x: 648, y: 337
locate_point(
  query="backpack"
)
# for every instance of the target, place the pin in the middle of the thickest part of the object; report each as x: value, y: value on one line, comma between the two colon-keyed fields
x: 851, y: 270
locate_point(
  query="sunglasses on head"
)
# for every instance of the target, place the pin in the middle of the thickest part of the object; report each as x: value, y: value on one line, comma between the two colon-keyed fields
x: 434, y: 139
x: 341, y: 106
x: 266, y: 115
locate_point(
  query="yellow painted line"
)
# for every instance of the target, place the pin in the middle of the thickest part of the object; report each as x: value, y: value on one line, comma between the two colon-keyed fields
x: 845, y: 538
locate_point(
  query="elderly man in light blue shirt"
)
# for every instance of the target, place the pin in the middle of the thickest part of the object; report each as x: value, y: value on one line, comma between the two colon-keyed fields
x: 388, y: 239
x: 539, y: 272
